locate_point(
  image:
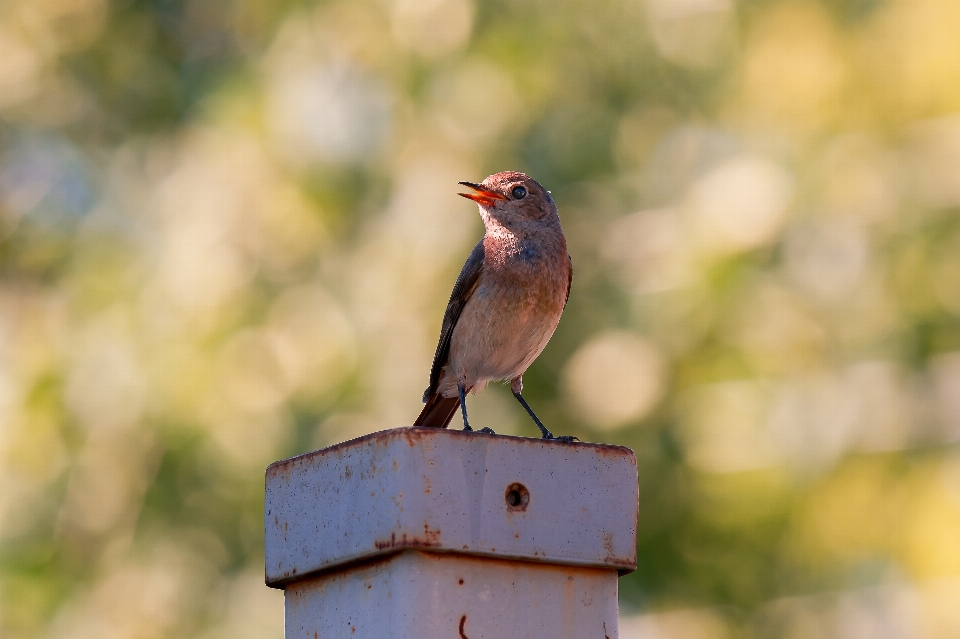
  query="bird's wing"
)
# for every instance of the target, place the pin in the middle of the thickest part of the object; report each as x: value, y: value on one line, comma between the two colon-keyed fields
x: 569, y: 281
x: 462, y: 292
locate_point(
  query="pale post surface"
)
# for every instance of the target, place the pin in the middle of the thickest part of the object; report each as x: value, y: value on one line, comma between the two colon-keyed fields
x: 421, y: 532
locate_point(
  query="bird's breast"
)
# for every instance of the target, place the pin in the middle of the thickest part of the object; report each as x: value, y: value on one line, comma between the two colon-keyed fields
x: 527, y: 253
x: 512, y: 312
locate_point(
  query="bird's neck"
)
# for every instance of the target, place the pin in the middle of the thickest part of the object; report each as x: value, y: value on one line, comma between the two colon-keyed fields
x: 517, y: 232
x: 501, y: 233
x: 525, y: 247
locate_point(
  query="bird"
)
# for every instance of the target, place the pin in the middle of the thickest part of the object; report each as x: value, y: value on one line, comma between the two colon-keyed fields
x: 507, y: 300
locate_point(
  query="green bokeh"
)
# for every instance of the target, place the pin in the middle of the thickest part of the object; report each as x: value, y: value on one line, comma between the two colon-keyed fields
x: 228, y: 231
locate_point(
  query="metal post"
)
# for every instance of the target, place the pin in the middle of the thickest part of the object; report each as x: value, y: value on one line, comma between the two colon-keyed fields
x: 424, y: 533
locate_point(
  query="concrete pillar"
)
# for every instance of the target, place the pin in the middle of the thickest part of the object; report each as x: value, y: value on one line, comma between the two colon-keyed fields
x: 422, y: 533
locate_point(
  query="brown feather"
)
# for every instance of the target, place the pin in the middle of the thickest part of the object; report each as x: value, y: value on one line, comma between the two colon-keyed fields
x: 462, y: 291
x: 438, y: 411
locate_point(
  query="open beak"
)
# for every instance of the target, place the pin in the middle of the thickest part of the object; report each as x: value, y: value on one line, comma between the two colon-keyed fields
x: 483, y: 195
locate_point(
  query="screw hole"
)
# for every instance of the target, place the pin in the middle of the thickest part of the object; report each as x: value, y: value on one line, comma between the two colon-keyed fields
x: 517, y: 497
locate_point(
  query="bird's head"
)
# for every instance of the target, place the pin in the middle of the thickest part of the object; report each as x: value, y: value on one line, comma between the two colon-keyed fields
x: 511, y: 198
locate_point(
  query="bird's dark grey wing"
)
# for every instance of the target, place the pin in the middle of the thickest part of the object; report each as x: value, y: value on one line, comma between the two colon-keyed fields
x: 569, y: 281
x: 462, y: 291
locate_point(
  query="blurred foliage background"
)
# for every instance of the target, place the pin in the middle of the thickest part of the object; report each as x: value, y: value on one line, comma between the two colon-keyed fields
x: 228, y: 230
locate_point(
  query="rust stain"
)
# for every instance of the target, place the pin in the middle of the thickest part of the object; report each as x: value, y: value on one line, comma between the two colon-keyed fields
x: 608, y: 546
x: 463, y: 622
x: 432, y: 536
x: 428, y: 483
x: 430, y: 539
x: 416, y: 435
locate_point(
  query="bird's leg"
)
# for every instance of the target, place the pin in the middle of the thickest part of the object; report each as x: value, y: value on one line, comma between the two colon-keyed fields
x: 463, y: 408
x: 516, y: 385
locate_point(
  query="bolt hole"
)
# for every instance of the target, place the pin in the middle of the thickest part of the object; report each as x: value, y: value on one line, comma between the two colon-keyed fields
x: 517, y: 497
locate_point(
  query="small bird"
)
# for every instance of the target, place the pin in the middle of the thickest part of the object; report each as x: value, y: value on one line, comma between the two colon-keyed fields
x: 507, y: 301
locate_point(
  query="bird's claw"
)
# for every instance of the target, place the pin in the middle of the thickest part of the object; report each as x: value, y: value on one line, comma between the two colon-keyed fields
x: 564, y: 439
x: 485, y: 430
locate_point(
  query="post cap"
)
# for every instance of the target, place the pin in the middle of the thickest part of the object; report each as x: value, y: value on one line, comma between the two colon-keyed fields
x: 450, y: 491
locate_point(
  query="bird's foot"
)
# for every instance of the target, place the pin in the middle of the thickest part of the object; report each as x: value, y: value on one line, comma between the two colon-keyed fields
x: 484, y: 430
x: 564, y: 439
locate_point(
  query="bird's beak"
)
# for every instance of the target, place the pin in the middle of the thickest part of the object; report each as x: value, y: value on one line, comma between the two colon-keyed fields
x: 483, y: 195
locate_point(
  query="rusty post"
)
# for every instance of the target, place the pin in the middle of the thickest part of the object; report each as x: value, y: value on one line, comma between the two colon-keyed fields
x: 423, y: 533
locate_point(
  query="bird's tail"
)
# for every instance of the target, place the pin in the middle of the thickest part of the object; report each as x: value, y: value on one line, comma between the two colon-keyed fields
x: 438, y: 411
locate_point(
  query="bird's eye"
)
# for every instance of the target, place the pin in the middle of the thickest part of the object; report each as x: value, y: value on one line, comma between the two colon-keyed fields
x: 519, y: 192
